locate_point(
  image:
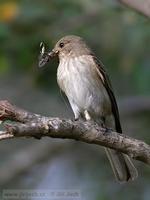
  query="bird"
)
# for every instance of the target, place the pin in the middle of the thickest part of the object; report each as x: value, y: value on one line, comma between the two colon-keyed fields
x: 83, y: 79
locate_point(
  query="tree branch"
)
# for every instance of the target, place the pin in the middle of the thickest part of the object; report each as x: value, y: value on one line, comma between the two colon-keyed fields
x: 32, y: 125
x: 141, y: 6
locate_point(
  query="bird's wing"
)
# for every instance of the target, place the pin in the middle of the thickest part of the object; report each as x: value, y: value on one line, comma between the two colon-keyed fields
x: 106, y: 82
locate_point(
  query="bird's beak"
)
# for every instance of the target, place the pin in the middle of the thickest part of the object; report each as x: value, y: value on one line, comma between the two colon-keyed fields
x: 46, y: 56
x: 52, y: 53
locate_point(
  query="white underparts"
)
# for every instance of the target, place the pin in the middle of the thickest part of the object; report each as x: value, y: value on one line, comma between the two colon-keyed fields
x: 81, y: 83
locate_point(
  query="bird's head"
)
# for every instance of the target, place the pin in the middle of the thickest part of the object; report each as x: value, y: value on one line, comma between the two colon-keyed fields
x: 68, y: 46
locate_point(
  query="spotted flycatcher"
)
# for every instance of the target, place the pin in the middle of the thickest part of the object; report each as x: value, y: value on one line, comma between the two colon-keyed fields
x: 84, y: 81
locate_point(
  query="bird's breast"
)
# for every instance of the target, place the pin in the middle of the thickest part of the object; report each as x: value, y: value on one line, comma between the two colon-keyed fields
x: 79, y: 80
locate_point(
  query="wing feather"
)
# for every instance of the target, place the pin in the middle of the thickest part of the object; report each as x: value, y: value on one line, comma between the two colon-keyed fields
x: 106, y: 82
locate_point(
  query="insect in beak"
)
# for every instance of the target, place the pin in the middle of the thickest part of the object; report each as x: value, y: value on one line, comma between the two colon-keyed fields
x: 45, y: 55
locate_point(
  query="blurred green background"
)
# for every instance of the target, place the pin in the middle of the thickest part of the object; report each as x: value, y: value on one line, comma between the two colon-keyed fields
x: 120, y: 37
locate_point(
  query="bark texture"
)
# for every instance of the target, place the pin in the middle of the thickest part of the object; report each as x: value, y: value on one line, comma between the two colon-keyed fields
x: 27, y: 124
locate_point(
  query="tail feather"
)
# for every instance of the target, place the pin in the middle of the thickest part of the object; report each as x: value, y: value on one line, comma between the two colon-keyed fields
x: 122, y: 166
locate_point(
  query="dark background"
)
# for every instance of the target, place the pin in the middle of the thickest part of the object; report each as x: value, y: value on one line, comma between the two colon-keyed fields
x: 120, y: 37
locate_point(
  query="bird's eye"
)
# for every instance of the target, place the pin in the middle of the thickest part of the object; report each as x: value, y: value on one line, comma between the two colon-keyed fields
x: 61, y: 45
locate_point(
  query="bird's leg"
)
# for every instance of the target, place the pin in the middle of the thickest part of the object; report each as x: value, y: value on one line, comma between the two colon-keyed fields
x: 87, y: 115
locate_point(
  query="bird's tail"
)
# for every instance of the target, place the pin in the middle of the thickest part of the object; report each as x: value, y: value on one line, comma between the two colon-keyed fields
x: 122, y: 166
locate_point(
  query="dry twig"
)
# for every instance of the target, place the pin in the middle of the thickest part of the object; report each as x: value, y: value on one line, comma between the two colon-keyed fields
x: 32, y: 125
x: 141, y: 6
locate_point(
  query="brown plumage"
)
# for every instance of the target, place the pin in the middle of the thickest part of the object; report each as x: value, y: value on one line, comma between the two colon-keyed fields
x: 84, y: 81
